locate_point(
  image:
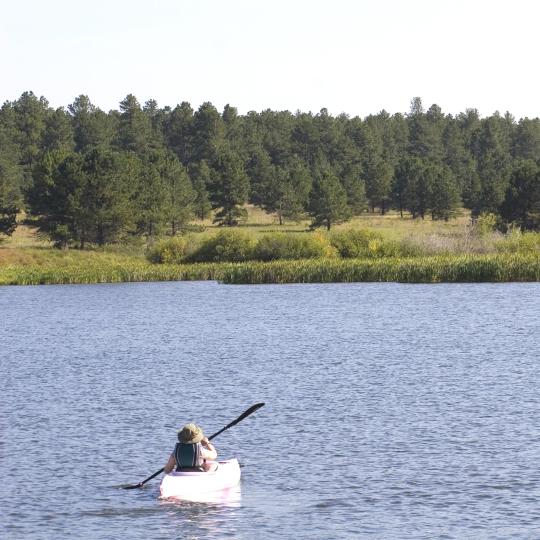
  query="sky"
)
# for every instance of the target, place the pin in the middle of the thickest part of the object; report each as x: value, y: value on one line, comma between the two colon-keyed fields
x: 349, y: 56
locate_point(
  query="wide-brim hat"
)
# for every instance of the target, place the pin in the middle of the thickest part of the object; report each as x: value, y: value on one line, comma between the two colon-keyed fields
x: 191, y: 434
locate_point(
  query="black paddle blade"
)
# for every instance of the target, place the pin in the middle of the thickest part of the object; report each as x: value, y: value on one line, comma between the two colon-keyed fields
x: 133, y: 486
x: 244, y: 415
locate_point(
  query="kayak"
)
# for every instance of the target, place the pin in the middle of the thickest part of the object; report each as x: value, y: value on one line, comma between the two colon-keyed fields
x: 191, y: 485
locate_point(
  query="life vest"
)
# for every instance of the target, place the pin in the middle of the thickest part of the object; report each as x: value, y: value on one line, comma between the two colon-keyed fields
x: 188, y: 456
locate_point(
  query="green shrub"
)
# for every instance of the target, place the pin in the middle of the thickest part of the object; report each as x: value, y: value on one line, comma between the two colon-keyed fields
x: 519, y: 242
x: 485, y: 224
x: 364, y: 244
x: 171, y: 250
x: 293, y: 246
x: 192, y: 228
x: 225, y: 246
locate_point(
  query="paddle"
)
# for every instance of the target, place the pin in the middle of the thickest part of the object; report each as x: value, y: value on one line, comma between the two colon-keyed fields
x: 245, y: 414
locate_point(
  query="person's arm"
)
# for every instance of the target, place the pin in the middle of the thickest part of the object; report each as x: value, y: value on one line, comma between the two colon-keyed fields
x: 170, y: 464
x: 208, y: 450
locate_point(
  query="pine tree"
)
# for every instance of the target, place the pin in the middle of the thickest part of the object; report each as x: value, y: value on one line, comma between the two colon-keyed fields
x: 11, y: 173
x: 522, y: 201
x: 181, y: 196
x: 83, y: 199
x: 10, y: 199
x: 230, y: 188
x: 135, y: 131
x: 444, y: 200
x: 425, y: 131
x: 286, y: 190
x: 91, y: 127
x: 377, y: 172
x: 527, y: 139
x: 106, y: 200
x: 208, y: 133
x: 30, y: 115
x: 416, y: 175
x: 178, y: 132
x: 493, y: 167
x: 201, y: 177
x: 54, y: 197
x: 328, y: 201
x: 234, y: 130
x: 151, y: 194
x: 58, y: 133
x: 261, y: 174
x: 352, y: 179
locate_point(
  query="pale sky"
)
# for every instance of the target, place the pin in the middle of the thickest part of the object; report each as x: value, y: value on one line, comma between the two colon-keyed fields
x: 356, y: 57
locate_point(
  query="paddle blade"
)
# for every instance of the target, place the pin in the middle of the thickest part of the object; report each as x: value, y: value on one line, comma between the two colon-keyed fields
x: 245, y: 414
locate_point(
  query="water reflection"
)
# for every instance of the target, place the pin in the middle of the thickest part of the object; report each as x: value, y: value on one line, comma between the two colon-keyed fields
x: 231, y: 498
x: 211, y: 515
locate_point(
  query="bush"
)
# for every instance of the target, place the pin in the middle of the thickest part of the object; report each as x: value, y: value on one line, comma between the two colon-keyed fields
x: 293, y: 246
x: 171, y: 250
x: 355, y: 243
x: 519, y: 242
x: 363, y: 243
x: 192, y: 228
x: 225, y: 246
x: 485, y: 224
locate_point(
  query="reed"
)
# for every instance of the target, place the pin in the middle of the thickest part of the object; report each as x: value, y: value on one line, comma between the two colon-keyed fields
x: 466, y: 268
x: 40, y: 268
x: 477, y: 268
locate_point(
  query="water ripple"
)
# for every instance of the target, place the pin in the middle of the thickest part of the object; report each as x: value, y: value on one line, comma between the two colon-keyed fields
x: 393, y: 411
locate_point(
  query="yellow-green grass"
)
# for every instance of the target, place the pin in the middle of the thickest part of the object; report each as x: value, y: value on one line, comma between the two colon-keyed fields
x: 39, y: 266
x: 460, y: 269
x: 45, y: 267
x: 449, y: 251
x: 24, y: 236
x: 261, y: 222
x: 391, y: 225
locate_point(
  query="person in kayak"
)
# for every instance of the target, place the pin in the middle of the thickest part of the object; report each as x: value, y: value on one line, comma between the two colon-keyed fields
x: 193, y: 451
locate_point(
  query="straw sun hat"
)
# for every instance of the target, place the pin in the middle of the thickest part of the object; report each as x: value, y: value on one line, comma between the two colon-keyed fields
x: 190, y: 434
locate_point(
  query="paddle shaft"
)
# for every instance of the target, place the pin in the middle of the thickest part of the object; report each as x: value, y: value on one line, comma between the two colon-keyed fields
x: 245, y: 414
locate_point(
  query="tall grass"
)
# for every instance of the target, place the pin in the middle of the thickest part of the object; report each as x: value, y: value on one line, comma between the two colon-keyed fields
x: 43, y: 267
x: 519, y: 242
x: 464, y: 268
x: 108, y: 269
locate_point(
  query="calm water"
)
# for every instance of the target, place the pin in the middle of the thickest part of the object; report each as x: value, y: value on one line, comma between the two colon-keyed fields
x: 392, y: 411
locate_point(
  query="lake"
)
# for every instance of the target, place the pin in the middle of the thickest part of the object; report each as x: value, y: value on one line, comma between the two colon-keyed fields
x: 392, y: 411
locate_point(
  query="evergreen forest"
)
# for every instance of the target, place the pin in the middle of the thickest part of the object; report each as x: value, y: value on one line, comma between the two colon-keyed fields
x: 88, y: 177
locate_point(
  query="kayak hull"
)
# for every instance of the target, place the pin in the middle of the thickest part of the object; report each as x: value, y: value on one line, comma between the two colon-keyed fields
x: 193, y: 485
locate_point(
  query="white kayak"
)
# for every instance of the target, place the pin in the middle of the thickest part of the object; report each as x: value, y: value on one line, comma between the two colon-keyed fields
x: 194, y: 484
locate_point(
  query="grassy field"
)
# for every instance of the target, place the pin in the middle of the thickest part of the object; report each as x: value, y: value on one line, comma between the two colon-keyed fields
x: 448, y: 251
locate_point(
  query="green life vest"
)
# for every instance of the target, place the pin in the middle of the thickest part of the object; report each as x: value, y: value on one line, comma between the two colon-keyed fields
x: 188, y: 456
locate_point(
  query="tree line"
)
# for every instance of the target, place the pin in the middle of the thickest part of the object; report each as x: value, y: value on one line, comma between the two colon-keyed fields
x: 91, y: 177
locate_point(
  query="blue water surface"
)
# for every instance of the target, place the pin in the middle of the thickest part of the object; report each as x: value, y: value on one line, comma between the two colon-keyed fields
x: 392, y: 411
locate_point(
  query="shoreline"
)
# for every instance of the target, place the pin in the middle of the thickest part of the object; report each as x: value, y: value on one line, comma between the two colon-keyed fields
x: 105, y: 268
